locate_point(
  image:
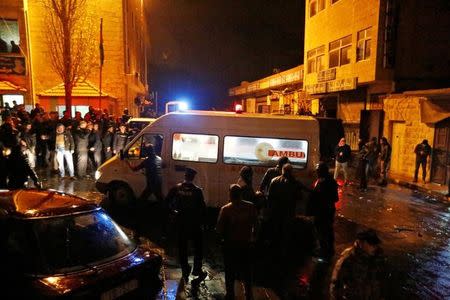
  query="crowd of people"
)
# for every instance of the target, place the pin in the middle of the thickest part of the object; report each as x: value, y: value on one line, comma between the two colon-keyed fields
x: 283, y: 218
x: 375, y: 159
x: 69, y: 146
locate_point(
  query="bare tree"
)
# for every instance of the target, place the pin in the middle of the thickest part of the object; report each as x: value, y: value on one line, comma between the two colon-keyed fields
x: 70, y: 33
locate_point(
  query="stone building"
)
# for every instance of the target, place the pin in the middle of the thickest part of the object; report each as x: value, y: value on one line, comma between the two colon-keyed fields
x: 125, y: 42
x: 411, y: 117
x: 357, y: 52
x: 382, y: 67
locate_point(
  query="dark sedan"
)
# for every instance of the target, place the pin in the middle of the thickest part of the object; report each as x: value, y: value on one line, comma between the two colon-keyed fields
x: 58, y: 245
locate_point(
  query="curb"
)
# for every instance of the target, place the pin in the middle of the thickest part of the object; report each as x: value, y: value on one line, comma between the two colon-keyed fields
x: 417, y: 187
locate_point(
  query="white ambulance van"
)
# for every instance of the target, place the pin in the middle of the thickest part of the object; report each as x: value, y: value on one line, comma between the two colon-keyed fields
x: 216, y: 145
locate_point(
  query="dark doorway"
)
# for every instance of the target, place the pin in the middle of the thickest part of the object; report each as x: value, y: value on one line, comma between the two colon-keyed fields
x: 441, y: 152
x: 371, y: 124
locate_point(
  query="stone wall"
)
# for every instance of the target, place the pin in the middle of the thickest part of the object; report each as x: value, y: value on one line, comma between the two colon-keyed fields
x: 404, y: 130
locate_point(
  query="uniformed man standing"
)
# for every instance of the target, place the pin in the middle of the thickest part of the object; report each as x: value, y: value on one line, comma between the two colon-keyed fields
x: 187, y: 202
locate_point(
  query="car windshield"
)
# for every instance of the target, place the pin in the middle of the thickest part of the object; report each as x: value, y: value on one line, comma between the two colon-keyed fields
x: 76, y: 242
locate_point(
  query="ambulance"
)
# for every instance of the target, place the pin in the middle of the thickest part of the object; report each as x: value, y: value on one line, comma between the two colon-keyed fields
x: 217, y: 145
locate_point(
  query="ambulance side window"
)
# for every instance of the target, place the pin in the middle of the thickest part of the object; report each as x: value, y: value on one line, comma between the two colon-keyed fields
x: 262, y: 151
x: 195, y: 147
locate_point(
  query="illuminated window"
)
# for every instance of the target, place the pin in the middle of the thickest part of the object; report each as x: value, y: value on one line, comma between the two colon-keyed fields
x: 363, y: 45
x: 195, y: 147
x: 339, y: 52
x: 137, y: 150
x: 315, y: 6
x: 316, y: 59
x: 9, y: 36
x: 259, y: 151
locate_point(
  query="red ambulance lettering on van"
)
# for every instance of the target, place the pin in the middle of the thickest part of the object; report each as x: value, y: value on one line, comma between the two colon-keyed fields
x: 290, y: 154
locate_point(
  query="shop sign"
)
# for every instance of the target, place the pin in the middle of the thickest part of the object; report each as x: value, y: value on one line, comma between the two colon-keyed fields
x: 342, y: 84
x: 316, y: 88
x: 326, y: 75
x: 12, y: 65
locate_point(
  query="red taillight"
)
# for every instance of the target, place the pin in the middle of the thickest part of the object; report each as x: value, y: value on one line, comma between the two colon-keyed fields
x: 238, y: 108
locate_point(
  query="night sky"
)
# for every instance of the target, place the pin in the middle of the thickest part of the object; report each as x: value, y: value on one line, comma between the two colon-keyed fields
x: 200, y: 48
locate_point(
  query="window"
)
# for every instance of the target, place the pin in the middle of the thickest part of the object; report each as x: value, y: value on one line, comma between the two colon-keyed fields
x: 264, y: 151
x: 83, y: 109
x: 340, y: 52
x: 9, y: 36
x: 363, y: 45
x: 137, y: 150
x: 315, y: 59
x: 315, y: 6
x: 195, y: 147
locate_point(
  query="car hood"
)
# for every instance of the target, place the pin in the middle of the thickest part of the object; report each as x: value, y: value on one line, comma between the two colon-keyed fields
x: 63, y: 284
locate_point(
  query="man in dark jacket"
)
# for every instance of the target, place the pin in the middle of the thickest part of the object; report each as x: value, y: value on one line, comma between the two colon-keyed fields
x: 81, y: 138
x: 19, y: 169
x: 245, y: 181
x: 107, y: 142
x: 360, y: 272
x: 272, y: 173
x: 235, y: 225
x: 187, y: 203
x: 120, y: 139
x: 152, y: 165
x: 28, y: 144
x: 422, y: 151
x: 284, y: 193
x: 95, y: 146
x: 321, y: 206
x: 342, y: 154
x: 385, y: 159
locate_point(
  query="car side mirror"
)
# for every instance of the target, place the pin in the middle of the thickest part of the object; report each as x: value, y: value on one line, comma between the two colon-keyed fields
x: 121, y: 155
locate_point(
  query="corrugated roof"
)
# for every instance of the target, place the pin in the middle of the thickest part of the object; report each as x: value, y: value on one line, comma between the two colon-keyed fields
x: 6, y: 86
x: 81, y: 89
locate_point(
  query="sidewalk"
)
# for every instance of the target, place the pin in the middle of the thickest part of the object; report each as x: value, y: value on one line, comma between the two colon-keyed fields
x: 433, y: 189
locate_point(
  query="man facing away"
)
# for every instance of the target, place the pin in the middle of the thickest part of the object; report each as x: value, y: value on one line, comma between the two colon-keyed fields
x: 188, y: 205
x: 235, y: 225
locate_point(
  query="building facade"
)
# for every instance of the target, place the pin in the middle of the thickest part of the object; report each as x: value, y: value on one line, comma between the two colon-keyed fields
x: 124, y: 72
x: 279, y: 93
x: 382, y: 67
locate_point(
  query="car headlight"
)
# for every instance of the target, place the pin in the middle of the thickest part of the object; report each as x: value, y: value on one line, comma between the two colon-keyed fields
x: 97, y: 174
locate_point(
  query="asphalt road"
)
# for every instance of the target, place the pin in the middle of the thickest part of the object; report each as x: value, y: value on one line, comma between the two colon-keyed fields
x: 414, y: 229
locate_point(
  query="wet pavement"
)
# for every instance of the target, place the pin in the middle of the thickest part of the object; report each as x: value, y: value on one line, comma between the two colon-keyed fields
x: 414, y: 228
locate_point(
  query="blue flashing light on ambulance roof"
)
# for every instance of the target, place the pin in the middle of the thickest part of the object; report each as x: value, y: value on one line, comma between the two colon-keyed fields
x: 172, y: 106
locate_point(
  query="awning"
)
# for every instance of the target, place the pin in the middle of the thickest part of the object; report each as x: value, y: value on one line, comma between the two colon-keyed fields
x: 8, y: 87
x: 434, y: 110
x: 81, y: 89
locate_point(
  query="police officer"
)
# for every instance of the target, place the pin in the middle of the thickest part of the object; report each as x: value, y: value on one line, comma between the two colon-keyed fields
x: 187, y: 203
